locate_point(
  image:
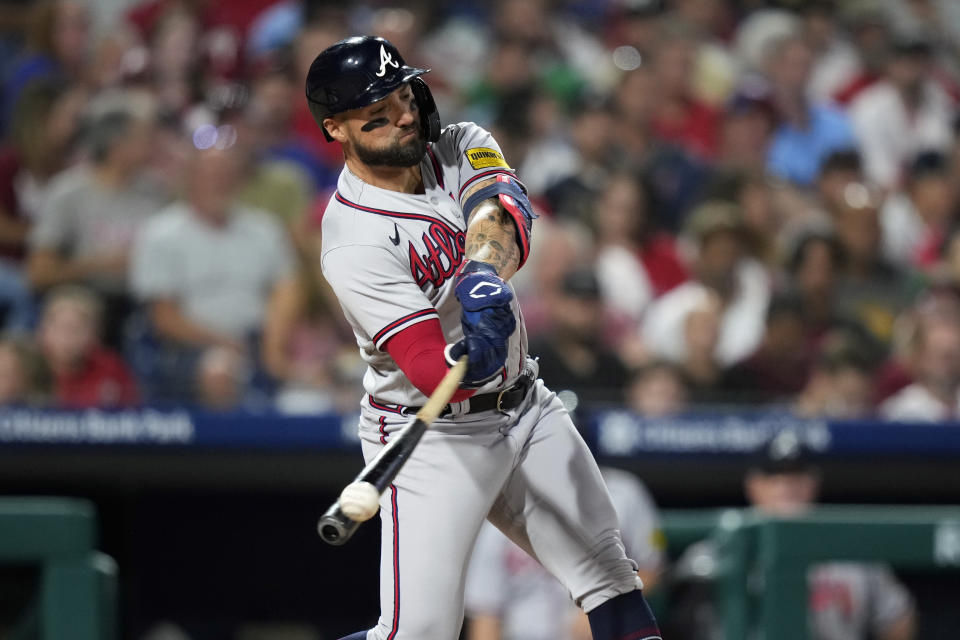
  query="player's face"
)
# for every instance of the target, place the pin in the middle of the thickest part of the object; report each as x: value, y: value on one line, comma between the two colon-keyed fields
x: 387, y: 132
x: 782, y: 494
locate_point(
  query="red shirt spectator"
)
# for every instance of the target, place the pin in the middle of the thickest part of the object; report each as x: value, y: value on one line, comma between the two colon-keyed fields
x: 86, y: 374
x: 103, y: 380
x: 225, y: 26
x: 691, y: 125
x: 664, y: 267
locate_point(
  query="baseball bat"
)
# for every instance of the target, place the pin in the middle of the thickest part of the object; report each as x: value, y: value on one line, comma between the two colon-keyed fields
x: 336, y: 527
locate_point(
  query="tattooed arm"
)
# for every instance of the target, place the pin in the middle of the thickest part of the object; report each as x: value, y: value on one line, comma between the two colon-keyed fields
x: 492, y: 235
x: 491, y: 239
x: 496, y: 244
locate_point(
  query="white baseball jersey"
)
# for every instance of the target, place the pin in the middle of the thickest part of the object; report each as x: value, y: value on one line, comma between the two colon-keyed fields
x: 391, y: 257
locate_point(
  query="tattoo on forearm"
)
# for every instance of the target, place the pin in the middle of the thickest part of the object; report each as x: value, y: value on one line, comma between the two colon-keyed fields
x: 491, y: 239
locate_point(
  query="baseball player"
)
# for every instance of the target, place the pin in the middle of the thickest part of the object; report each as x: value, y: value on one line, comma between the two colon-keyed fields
x: 419, y: 240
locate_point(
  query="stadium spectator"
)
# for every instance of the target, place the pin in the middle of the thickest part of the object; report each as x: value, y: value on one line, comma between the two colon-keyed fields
x: 118, y: 59
x: 808, y: 132
x: 572, y: 357
x: 749, y: 120
x: 780, y: 366
x: 224, y: 27
x: 210, y: 270
x: 838, y: 170
x: 847, y: 600
x: 813, y: 268
x: 316, y: 36
x: 836, y: 59
x: 635, y: 263
x: 57, y: 48
x: 581, y: 162
x: 679, y: 117
x: 282, y: 172
x: 870, y: 290
x: 938, y: 20
x: 935, y: 393
x: 93, y: 211
x: 721, y: 271
x: 634, y: 101
x: 304, y: 346
x: 870, y: 34
x: 43, y: 126
x: 25, y: 378
x: 45, y: 121
x: 917, y: 220
x: 174, y: 59
x: 657, y: 389
x: 86, y: 374
x: 905, y: 112
x: 222, y: 377
x: 637, y: 24
x: 714, y: 66
x: 841, y: 382
x: 751, y: 190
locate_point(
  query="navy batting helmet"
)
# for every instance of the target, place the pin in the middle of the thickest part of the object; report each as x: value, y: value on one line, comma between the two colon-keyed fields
x: 357, y: 72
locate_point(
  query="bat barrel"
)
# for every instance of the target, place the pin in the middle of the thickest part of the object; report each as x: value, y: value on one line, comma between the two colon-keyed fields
x: 335, y: 527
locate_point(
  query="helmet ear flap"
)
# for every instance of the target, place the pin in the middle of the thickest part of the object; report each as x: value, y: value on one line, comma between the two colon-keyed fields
x: 319, y: 114
x: 429, y: 116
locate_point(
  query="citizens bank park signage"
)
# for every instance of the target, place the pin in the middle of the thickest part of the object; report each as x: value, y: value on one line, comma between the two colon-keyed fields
x: 610, y: 433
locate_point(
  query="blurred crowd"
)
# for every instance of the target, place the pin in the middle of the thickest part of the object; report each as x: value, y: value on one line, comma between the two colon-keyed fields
x: 743, y: 202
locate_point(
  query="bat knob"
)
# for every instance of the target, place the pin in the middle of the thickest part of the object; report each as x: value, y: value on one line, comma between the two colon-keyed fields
x: 335, y: 527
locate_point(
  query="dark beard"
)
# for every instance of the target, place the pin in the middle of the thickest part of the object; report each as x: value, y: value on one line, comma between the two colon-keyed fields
x: 397, y: 155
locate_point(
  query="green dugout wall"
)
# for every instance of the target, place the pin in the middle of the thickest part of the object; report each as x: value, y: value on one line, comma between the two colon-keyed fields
x: 763, y: 561
x: 78, y: 594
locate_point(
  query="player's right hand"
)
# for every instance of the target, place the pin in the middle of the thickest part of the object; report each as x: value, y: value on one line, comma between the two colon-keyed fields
x: 485, y: 348
x: 488, y: 322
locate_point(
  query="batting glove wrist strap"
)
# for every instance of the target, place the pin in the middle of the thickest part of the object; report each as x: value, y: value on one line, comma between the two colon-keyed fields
x: 484, y: 360
x: 478, y: 290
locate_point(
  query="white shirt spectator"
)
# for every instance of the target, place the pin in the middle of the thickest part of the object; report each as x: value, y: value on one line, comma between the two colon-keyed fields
x: 915, y: 403
x: 221, y: 277
x: 833, y: 70
x: 903, y: 229
x: 890, y: 137
x: 741, y: 326
x: 624, y: 283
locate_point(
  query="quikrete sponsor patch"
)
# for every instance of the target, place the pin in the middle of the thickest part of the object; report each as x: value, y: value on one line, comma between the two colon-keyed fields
x: 484, y: 157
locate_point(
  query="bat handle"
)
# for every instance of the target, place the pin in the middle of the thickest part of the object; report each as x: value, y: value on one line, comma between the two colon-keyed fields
x: 335, y: 527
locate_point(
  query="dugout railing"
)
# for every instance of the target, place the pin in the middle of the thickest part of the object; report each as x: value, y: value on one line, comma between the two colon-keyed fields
x: 761, y: 584
x: 77, y: 596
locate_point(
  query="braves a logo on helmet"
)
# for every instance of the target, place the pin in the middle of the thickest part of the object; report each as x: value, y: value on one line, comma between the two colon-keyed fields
x: 386, y: 58
x: 442, y: 258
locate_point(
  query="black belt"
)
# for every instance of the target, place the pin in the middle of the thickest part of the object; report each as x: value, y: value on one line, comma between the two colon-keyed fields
x: 502, y: 401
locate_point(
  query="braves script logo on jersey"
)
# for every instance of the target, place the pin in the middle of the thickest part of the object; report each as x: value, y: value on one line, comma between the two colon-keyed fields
x: 442, y: 258
x: 386, y: 59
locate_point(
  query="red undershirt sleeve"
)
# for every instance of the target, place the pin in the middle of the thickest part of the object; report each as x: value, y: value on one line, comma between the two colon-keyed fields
x: 418, y: 351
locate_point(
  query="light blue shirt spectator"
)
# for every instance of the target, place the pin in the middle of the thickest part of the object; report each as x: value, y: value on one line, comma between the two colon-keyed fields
x: 795, y: 154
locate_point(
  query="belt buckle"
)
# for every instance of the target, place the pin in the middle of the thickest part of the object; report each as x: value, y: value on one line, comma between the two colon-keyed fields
x: 500, y: 399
